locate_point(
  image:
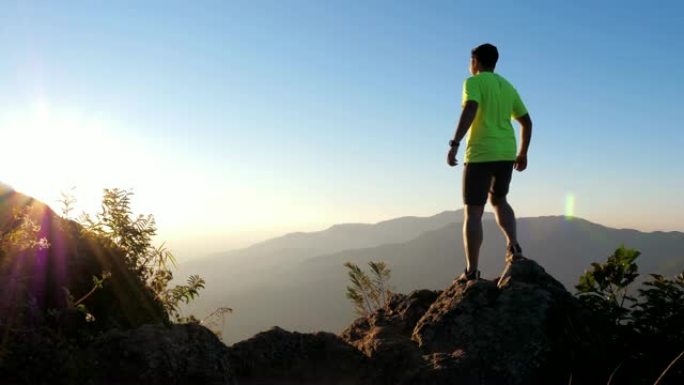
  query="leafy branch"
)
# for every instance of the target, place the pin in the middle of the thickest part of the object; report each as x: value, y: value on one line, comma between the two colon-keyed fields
x: 604, y: 287
x: 133, y: 236
x: 368, y: 293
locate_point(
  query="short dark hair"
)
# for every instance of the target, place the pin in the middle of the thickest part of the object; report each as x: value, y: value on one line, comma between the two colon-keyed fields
x: 486, y: 54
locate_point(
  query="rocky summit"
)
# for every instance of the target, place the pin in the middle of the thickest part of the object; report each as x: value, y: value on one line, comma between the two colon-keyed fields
x: 524, y: 332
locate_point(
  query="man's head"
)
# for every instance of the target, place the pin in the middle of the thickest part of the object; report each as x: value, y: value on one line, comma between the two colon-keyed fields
x: 483, y: 58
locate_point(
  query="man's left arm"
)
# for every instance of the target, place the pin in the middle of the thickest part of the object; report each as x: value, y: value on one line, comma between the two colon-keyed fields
x: 525, y: 136
x: 467, y: 116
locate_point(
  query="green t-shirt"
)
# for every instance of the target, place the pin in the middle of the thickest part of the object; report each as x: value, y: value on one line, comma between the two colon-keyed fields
x: 491, y: 137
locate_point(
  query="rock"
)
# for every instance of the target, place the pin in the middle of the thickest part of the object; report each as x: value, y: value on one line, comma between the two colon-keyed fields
x: 509, y: 335
x: 473, y: 334
x: 185, y: 354
x: 384, y: 337
x: 278, y: 356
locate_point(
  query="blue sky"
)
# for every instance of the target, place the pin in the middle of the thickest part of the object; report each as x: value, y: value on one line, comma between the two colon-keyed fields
x: 237, y: 120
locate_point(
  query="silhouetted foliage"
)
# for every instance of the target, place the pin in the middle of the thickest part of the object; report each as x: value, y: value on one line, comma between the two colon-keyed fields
x: 604, y: 287
x: 65, y: 283
x: 644, y: 332
x: 659, y: 313
x: 133, y: 236
x: 368, y: 293
x: 212, y: 321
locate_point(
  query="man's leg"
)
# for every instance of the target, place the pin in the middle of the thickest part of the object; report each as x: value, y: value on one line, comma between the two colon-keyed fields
x: 476, y: 182
x: 472, y: 235
x: 505, y: 218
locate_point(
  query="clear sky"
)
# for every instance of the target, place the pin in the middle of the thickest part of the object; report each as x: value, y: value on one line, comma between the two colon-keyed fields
x: 237, y: 120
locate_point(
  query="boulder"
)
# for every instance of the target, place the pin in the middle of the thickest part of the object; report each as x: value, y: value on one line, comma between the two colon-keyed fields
x: 280, y: 357
x: 384, y: 336
x: 520, y: 333
x: 186, y: 354
x: 511, y: 334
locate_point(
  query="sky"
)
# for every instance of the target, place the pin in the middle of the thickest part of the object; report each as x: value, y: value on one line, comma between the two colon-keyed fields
x: 235, y: 121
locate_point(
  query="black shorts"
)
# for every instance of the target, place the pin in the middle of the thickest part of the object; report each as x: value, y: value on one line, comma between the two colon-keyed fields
x: 479, y: 179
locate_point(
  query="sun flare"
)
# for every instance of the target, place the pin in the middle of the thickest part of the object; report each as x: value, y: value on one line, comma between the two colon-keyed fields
x: 47, y: 150
x: 569, y: 206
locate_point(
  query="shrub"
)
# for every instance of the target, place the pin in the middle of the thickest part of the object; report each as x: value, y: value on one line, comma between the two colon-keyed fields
x: 133, y: 236
x: 644, y: 331
x: 368, y: 293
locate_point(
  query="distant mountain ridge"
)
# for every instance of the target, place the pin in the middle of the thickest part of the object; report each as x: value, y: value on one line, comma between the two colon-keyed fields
x: 297, y: 247
x: 357, y: 235
x: 298, y: 280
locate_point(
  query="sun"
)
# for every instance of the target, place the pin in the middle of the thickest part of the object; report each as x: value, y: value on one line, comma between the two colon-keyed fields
x: 49, y: 149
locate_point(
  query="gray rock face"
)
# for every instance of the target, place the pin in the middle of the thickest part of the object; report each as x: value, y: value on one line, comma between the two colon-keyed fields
x: 186, y: 354
x: 279, y: 357
x: 472, y: 334
x: 506, y: 333
x: 383, y: 337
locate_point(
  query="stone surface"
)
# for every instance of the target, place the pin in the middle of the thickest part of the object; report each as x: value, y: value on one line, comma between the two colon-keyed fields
x: 508, y: 333
x: 186, y: 354
x: 280, y: 357
x: 384, y: 336
x: 472, y: 334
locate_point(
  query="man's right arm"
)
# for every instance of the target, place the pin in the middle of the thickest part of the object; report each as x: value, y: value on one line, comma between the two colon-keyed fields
x: 525, y: 137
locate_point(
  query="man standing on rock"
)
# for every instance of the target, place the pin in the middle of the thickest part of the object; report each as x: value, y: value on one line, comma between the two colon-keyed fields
x: 489, y: 103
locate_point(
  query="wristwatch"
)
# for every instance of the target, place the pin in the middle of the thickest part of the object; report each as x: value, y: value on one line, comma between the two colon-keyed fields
x: 453, y: 143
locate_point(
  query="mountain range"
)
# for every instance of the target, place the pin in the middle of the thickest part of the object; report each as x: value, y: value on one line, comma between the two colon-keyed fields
x: 298, y: 280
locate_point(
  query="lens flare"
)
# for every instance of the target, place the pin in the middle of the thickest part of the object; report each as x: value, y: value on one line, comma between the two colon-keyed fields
x: 569, y: 206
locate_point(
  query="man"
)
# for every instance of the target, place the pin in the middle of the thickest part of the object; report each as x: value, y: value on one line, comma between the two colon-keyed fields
x: 489, y: 103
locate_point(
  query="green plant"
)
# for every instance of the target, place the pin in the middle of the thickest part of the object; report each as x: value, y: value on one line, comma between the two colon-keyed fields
x: 642, y: 332
x: 367, y: 293
x: 212, y: 320
x: 133, y: 236
x: 67, y: 201
x: 77, y: 304
x: 172, y: 298
x: 24, y: 234
x: 604, y: 287
x: 660, y: 309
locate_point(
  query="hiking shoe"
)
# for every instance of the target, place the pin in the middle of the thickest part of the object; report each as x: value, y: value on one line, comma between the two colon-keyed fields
x: 466, y: 277
x: 513, y: 254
